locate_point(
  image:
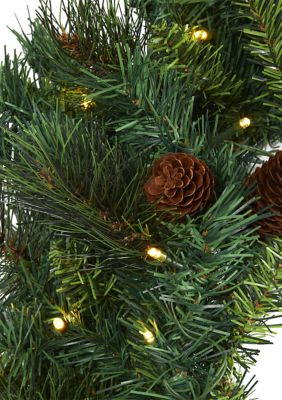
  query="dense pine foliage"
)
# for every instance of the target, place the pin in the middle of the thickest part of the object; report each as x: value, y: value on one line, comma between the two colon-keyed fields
x: 94, y: 98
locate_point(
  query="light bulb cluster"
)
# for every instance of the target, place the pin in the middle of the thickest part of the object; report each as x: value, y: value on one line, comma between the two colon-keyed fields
x: 203, y: 35
x: 61, y: 325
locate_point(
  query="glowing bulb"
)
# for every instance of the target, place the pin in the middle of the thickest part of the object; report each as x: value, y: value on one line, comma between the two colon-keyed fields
x: 59, y: 324
x: 156, y: 254
x: 87, y: 104
x: 149, y: 337
x: 245, y: 122
x: 200, y: 34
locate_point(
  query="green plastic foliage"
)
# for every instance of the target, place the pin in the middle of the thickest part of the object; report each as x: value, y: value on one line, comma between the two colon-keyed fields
x: 266, y: 49
x: 76, y: 225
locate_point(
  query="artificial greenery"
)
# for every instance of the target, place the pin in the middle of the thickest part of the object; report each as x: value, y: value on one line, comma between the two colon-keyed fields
x: 75, y: 222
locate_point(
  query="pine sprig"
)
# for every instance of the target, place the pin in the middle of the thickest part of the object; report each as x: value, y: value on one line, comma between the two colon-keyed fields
x: 49, y: 179
x: 265, y: 48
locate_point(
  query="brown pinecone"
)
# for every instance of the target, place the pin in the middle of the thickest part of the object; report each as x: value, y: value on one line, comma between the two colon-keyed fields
x: 83, y: 54
x: 70, y: 43
x: 268, y: 186
x: 180, y: 181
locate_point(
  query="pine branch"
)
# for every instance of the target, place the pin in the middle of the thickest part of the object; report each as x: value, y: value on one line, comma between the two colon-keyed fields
x: 46, y: 177
x: 265, y: 48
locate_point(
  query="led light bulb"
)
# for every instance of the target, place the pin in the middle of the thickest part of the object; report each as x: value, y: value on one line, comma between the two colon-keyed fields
x: 60, y: 325
x: 149, y: 337
x: 87, y: 104
x: 156, y: 254
x: 245, y: 122
x: 200, y: 34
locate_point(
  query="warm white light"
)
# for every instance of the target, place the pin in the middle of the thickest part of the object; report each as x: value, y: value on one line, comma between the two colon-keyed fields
x: 86, y: 104
x: 149, y: 337
x: 245, y: 122
x: 59, y: 324
x: 156, y: 254
x: 200, y: 34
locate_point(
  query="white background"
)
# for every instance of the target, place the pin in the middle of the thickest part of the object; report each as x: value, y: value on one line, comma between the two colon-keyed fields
x: 268, y: 369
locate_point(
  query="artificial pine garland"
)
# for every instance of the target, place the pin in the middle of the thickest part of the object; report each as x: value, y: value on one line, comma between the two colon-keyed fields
x: 140, y: 257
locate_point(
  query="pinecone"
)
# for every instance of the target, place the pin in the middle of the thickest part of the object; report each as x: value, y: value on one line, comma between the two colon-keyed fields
x: 181, y: 182
x: 268, y: 186
x: 70, y: 43
x: 83, y: 53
